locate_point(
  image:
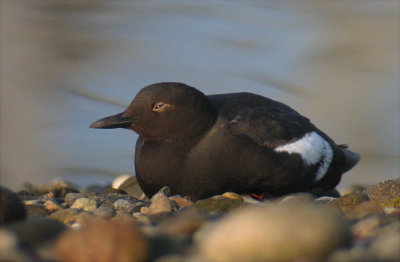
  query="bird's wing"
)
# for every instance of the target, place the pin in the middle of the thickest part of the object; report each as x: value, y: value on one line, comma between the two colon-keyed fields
x: 270, y: 125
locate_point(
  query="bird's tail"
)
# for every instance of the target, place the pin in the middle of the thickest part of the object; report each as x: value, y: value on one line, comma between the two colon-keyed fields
x: 351, y: 158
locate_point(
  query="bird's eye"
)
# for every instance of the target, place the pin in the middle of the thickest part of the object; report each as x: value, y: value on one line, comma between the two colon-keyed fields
x: 158, y: 106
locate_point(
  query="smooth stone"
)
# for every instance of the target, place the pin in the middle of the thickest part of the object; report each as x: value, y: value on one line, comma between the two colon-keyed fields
x: 51, y: 205
x: 33, y: 202
x: 183, y: 223
x: 386, y: 193
x: 119, y: 180
x: 366, y: 208
x: 387, y: 246
x: 276, y: 232
x: 160, y: 203
x: 122, y: 204
x: 105, y: 211
x: 171, y: 258
x: 181, y: 201
x: 141, y: 218
x: 66, y: 216
x: 8, y: 240
x: 110, y: 198
x: 391, y: 210
x: 218, y: 203
x: 130, y: 186
x: 348, y: 202
x: 37, y: 210
x: 87, y: 204
x: 162, y: 245
x: 10, y: 249
x: 123, y: 214
x: 232, y: 195
x: 297, y: 198
x: 325, y: 199
x: 25, y: 195
x: 84, y: 217
x: 366, y: 227
x: 71, y: 197
x: 36, y: 231
x: 103, y: 240
x: 350, y: 189
x: 11, y: 206
x: 355, y: 254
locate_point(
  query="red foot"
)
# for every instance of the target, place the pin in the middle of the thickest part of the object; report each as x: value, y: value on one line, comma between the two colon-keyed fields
x: 261, y: 196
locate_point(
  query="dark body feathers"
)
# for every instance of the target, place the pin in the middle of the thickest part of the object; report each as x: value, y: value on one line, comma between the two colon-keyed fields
x: 205, y: 145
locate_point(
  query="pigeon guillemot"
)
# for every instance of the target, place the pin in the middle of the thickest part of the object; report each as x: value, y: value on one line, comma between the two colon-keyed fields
x: 202, y: 145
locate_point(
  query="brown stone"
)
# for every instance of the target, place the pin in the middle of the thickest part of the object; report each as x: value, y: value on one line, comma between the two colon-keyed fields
x: 103, y: 241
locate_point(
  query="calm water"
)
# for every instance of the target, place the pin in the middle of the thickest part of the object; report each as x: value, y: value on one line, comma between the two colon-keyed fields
x: 65, y: 64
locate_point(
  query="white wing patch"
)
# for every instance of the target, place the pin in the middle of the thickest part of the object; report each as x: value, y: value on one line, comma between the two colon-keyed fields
x: 312, y: 148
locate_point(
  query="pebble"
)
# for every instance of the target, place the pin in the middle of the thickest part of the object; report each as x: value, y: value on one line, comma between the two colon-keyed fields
x: 171, y: 258
x: 36, y: 231
x: 37, y: 210
x: 165, y: 245
x: 51, y: 205
x: 33, y: 202
x: 130, y: 185
x: 71, y: 197
x: 218, y: 204
x: 160, y: 203
x: 366, y: 208
x: 181, y: 201
x: 387, y: 246
x: 87, y: 204
x: 118, y: 181
x: 348, y: 202
x: 110, y: 198
x: 123, y: 214
x: 11, y: 207
x: 280, y: 232
x: 365, y: 228
x: 186, y: 222
x: 84, y: 217
x: 325, y: 199
x: 105, y: 211
x: 297, y: 198
x: 386, y: 193
x: 102, y: 241
x: 232, y: 195
x: 141, y: 218
x: 66, y: 216
x: 355, y: 254
x: 10, y: 247
x: 122, y: 204
x: 8, y: 240
x: 391, y: 210
x: 176, y: 229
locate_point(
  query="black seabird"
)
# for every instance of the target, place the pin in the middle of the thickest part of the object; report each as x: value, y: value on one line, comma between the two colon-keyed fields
x: 202, y: 145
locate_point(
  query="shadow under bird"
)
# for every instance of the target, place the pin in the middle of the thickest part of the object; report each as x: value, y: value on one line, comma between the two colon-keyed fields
x: 202, y: 145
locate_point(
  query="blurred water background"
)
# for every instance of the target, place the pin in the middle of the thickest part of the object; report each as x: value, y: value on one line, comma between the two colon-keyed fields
x: 66, y: 63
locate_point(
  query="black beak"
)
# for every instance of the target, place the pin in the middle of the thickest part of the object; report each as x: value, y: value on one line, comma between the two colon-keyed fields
x: 115, y: 121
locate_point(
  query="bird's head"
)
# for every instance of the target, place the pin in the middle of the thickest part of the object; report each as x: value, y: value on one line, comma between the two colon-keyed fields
x: 164, y: 111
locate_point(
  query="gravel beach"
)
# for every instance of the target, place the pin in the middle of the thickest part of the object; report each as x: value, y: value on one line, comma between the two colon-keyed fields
x: 59, y: 222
